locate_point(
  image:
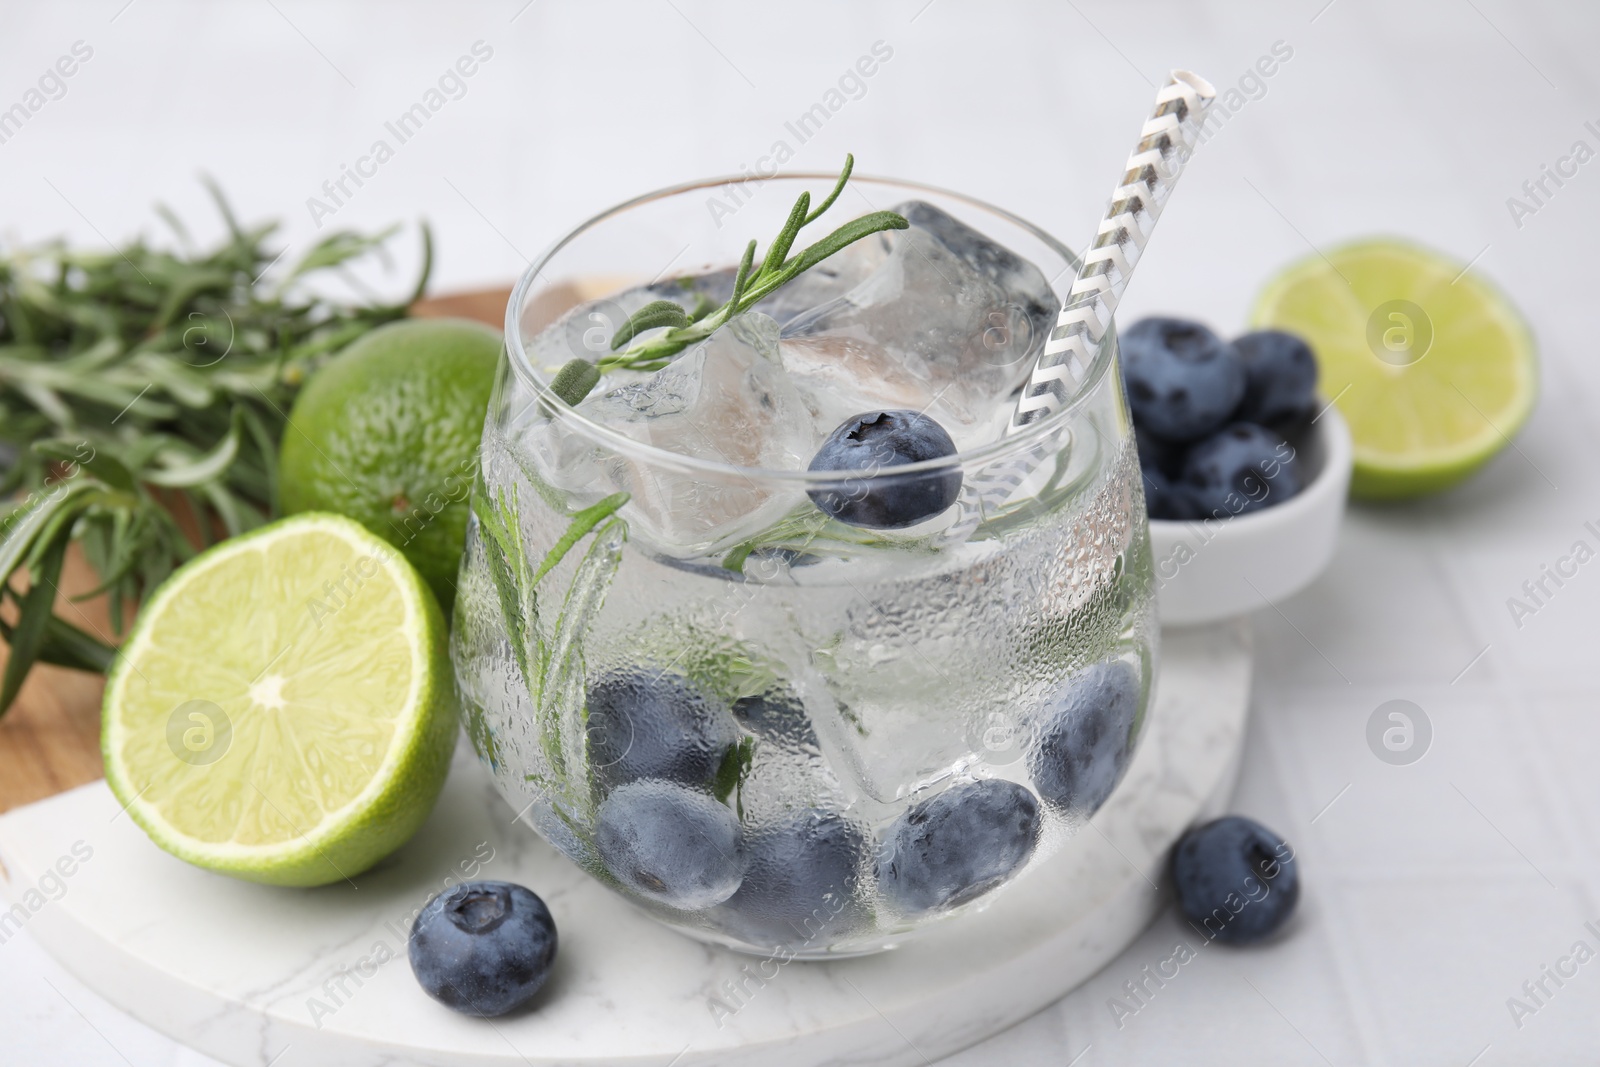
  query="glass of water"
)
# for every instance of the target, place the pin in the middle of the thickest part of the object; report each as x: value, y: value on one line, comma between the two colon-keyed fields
x: 737, y: 633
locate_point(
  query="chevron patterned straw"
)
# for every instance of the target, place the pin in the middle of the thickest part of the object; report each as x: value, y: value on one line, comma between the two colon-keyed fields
x: 1166, y: 141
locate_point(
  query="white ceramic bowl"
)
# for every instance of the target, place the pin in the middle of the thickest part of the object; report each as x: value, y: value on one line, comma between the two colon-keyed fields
x: 1218, y: 568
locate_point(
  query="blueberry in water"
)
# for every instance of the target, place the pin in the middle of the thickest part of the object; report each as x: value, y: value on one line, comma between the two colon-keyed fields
x: 871, y: 442
x: 1084, y: 742
x: 1236, y: 880
x: 483, y: 948
x: 1280, y: 377
x: 957, y: 846
x: 1183, y: 381
x: 776, y: 715
x: 801, y: 881
x: 1240, y: 469
x: 651, y: 724
x: 674, y: 845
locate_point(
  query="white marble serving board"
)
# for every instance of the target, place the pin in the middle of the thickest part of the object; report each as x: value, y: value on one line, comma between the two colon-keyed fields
x: 255, y: 975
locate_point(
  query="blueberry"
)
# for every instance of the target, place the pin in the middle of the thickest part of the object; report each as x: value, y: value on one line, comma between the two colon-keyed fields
x: 957, y: 846
x: 1083, y: 743
x: 646, y: 724
x: 1161, y: 462
x: 1158, y: 455
x: 1236, y: 880
x: 671, y: 844
x: 801, y: 881
x: 1239, y: 469
x: 1280, y: 377
x: 871, y: 442
x: 1183, y: 381
x: 776, y: 715
x: 1168, y: 499
x: 483, y: 948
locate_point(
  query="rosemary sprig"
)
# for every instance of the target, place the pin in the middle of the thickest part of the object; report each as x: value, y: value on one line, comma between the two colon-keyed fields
x: 144, y: 388
x: 752, y: 284
x: 516, y: 582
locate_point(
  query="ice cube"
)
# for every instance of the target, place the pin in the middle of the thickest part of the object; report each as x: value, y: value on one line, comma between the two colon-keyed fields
x: 840, y: 376
x: 726, y: 400
x: 949, y: 322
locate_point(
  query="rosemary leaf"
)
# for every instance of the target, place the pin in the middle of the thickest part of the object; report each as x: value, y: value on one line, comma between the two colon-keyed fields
x: 575, y: 380
x: 28, y: 635
x: 844, y: 176
x: 581, y: 524
x: 741, y: 280
x: 785, y: 239
x: 652, y: 316
x: 108, y: 469
x: 63, y: 644
x: 181, y: 472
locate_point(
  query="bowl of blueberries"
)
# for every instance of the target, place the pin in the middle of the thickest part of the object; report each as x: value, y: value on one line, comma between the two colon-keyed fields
x: 1245, y: 467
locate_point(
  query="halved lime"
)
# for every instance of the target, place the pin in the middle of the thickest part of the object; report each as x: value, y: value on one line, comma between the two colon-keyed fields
x: 1432, y: 367
x: 283, y: 710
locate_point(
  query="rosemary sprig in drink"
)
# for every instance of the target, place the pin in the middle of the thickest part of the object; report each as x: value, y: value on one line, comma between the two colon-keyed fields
x: 752, y: 284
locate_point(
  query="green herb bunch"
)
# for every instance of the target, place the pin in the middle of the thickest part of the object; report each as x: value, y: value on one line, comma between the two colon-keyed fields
x: 143, y: 386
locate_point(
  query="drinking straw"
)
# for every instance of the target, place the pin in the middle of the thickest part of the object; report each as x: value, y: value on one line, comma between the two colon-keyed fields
x: 1166, y: 141
x: 1165, y: 144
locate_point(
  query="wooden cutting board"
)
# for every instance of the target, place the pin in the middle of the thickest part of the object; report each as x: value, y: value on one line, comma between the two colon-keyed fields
x: 50, y: 739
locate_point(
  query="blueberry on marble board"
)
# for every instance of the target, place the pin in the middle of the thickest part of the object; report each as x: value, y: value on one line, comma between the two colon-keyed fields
x: 483, y: 948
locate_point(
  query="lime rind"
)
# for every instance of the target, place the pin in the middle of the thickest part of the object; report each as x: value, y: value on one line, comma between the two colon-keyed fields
x: 379, y: 816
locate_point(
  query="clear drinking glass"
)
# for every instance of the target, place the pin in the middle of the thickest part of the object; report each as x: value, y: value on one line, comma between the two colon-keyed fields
x: 782, y: 733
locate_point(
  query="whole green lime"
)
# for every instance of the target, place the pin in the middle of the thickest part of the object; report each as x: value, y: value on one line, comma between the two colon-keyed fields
x: 386, y: 433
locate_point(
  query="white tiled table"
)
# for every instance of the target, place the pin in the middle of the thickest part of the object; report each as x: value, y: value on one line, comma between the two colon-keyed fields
x: 1433, y: 891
